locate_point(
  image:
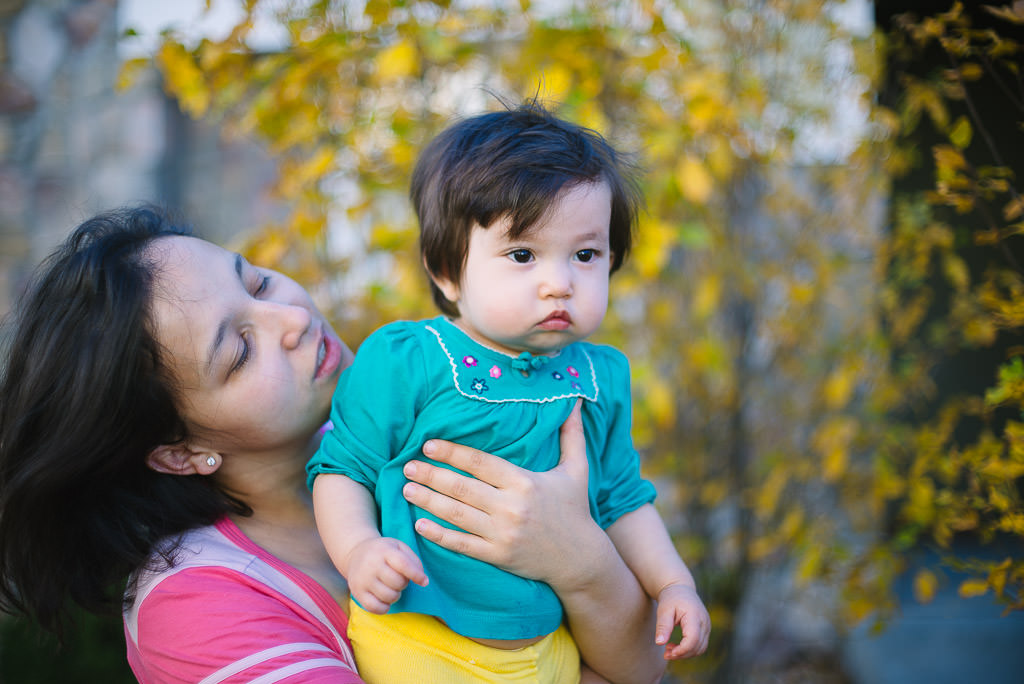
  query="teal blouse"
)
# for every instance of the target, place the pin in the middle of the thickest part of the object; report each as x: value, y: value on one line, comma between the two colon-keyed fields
x: 413, y: 381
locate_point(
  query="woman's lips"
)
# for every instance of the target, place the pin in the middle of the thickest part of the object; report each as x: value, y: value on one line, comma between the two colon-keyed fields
x: 328, y: 356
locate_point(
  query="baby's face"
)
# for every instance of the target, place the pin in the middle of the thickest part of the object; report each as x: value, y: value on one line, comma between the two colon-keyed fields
x: 543, y: 290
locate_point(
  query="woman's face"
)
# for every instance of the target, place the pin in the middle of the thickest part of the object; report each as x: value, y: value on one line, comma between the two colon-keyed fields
x: 255, y: 361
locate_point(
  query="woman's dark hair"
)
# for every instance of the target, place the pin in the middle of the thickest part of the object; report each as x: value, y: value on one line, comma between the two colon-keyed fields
x: 513, y: 164
x: 84, y: 397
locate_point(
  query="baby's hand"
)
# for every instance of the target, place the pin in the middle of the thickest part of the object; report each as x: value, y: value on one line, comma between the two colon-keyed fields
x: 379, y: 569
x: 679, y: 604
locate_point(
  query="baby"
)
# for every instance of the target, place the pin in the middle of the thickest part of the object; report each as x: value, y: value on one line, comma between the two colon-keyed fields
x: 523, y: 218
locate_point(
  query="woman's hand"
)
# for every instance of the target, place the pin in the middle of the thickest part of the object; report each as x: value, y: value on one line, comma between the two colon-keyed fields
x: 538, y: 525
x: 532, y: 524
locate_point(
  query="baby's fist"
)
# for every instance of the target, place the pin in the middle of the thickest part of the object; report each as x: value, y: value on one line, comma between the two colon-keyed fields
x: 680, y: 604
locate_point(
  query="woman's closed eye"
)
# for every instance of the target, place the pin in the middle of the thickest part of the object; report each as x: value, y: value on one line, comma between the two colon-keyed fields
x: 262, y: 283
x: 244, y: 353
x: 245, y: 342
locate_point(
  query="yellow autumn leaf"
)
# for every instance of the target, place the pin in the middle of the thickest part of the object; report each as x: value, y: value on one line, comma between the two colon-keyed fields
x: 702, y: 112
x: 971, y: 71
x: 803, y: 294
x: 920, y: 506
x: 707, y: 295
x: 398, y: 61
x: 269, y: 249
x: 660, y: 400
x: 713, y: 492
x: 184, y: 79
x: 839, y: 386
x: 956, y: 272
x: 721, y: 159
x: 791, y: 524
x: 761, y: 547
x: 388, y: 237
x: 948, y: 160
x: 1012, y: 523
x: 130, y: 71
x: 810, y: 564
x: 926, y: 584
x: 308, y: 225
x: 970, y: 588
x: 997, y: 576
x: 1014, y: 208
x: 693, y: 179
x: 960, y: 135
x: 999, y: 500
x: 834, y: 463
x: 980, y: 331
x: 832, y: 442
x: 769, y: 493
x: 706, y: 354
x: 300, y: 174
x: 1002, y: 470
x: 655, y: 241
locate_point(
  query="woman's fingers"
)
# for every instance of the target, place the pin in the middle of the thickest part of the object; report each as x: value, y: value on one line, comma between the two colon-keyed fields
x: 439, y: 500
x: 454, y: 486
x: 454, y: 540
x: 483, y: 466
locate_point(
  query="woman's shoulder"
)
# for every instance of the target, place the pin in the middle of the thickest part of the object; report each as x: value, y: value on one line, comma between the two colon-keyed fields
x: 218, y: 587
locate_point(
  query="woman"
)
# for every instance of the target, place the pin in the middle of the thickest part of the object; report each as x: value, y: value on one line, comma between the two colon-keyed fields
x: 159, y: 401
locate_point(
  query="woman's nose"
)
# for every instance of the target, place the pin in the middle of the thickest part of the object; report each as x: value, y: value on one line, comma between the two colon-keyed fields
x: 291, y: 321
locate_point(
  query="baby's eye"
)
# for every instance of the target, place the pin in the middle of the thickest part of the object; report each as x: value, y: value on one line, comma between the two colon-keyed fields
x: 586, y: 255
x: 521, y: 256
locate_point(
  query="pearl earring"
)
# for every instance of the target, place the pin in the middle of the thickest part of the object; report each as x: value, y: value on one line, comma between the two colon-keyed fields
x: 211, y: 461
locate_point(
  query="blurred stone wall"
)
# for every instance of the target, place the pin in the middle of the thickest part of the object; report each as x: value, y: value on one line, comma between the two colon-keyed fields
x: 72, y: 144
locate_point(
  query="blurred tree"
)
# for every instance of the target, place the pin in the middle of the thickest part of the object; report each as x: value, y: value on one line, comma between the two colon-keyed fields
x: 782, y: 342
x: 953, y: 458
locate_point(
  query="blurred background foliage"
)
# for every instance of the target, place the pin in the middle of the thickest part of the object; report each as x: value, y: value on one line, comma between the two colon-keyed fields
x: 790, y: 307
x: 824, y: 308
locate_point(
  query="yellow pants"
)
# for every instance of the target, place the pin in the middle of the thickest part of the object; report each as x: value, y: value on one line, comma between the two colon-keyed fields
x: 410, y: 648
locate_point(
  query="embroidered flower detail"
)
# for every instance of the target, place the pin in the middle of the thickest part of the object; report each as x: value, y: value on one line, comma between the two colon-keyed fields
x: 572, y: 371
x: 576, y: 386
x: 479, y: 385
x: 556, y: 375
x: 495, y: 372
x: 469, y: 361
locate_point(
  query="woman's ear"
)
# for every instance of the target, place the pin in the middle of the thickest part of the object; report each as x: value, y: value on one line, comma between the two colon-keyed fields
x: 180, y: 459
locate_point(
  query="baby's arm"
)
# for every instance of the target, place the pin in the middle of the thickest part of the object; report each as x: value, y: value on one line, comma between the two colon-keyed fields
x: 643, y: 542
x: 377, y: 568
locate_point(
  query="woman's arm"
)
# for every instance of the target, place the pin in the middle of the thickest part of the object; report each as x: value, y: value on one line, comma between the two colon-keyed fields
x: 507, y: 514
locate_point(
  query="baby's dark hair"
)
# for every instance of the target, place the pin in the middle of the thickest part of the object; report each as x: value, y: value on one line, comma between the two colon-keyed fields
x: 85, y: 395
x: 511, y: 164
